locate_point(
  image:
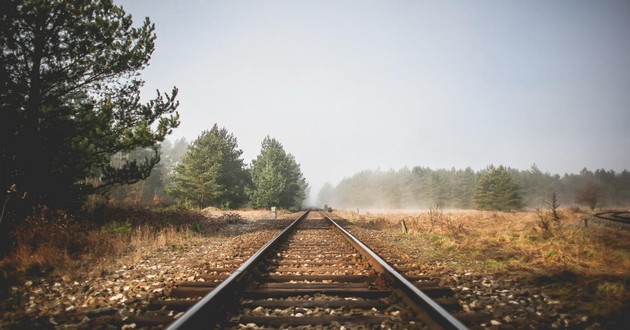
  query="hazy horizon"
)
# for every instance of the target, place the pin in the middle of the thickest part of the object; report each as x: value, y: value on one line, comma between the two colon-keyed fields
x: 356, y: 85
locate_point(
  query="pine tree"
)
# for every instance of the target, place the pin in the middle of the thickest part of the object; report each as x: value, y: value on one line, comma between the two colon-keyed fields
x: 211, y: 172
x: 71, y: 99
x: 276, y: 177
x: 497, y: 190
x: 146, y: 192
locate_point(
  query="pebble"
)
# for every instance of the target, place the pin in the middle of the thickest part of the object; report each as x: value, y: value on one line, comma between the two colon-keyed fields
x: 98, y: 298
x: 91, y: 301
x: 116, y: 297
x: 500, y: 301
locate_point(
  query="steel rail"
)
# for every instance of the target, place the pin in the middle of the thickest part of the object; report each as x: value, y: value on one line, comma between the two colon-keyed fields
x: 439, y: 314
x: 616, y: 216
x: 612, y: 218
x: 201, y: 314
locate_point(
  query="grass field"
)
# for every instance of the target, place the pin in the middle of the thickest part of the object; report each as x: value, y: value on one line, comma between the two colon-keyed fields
x: 510, y: 241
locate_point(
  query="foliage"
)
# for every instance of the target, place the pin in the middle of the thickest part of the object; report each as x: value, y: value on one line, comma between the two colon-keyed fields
x: 536, y: 186
x: 588, y: 195
x: 422, y: 187
x: 69, y: 92
x: 438, y: 218
x: 151, y: 191
x: 50, y: 239
x: 211, y: 173
x: 497, y: 190
x: 117, y: 227
x: 146, y: 192
x: 276, y: 177
x: 171, y: 154
x: 549, y: 222
x: 419, y: 187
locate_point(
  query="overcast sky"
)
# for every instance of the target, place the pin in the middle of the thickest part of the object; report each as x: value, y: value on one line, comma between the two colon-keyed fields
x: 353, y: 85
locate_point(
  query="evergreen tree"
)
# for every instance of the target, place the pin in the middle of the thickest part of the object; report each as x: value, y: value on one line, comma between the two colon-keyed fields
x: 497, y: 190
x: 276, y: 177
x: 464, y: 187
x: 423, y: 187
x: 171, y: 154
x: 69, y: 92
x: 211, y: 172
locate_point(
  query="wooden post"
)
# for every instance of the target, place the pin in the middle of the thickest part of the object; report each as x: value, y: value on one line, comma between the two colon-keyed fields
x: 404, y: 226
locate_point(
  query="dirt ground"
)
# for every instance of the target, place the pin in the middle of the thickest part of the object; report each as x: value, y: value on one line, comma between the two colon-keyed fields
x: 505, y: 272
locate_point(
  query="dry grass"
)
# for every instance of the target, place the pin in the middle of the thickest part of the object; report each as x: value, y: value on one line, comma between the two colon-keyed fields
x: 248, y: 214
x: 511, y: 241
x: 52, y: 241
x: 55, y: 242
x: 587, y: 268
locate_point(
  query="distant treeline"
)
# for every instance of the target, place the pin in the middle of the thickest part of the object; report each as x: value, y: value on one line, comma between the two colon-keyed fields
x: 423, y: 187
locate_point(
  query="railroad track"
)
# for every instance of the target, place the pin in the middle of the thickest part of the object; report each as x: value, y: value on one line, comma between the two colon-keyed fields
x: 313, y: 274
x: 620, y: 217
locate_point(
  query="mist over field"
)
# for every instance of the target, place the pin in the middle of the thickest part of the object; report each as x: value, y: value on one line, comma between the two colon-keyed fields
x: 423, y: 188
x: 367, y: 85
x: 161, y: 159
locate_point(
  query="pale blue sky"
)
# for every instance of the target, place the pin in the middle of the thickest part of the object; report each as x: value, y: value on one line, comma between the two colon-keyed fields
x: 353, y: 85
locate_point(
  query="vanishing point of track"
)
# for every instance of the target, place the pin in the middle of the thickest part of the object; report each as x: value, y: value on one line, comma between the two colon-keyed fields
x: 314, y: 274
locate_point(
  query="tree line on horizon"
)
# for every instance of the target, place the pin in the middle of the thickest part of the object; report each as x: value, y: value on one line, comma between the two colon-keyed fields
x: 492, y: 188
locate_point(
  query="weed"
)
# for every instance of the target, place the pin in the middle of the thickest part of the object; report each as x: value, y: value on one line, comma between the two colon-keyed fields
x: 549, y: 220
x: 611, y: 291
x: 437, y: 218
x: 231, y: 218
x: 516, y: 236
x: 183, y: 204
x: 495, y: 264
x: 49, y: 240
x: 197, y: 227
x: 118, y: 227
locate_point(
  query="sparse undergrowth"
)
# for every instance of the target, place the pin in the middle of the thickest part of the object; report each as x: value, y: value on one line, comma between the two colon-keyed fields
x: 509, y: 241
x: 51, y: 241
x: 587, y: 268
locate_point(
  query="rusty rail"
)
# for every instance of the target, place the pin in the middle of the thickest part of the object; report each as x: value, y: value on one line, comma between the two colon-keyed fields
x: 210, y: 309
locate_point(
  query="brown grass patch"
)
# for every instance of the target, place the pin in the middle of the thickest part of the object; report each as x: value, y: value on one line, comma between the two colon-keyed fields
x: 52, y: 241
x: 510, y: 241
